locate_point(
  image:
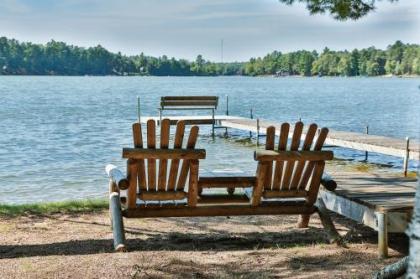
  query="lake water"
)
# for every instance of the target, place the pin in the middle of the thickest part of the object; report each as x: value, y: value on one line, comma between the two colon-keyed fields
x: 58, y: 133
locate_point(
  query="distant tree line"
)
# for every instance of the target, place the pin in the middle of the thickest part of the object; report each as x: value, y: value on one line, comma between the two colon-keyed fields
x: 59, y: 58
x: 397, y: 59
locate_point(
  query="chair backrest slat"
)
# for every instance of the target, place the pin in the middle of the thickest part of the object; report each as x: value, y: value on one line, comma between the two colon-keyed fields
x: 138, y: 143
x: 297, y: 132
x: 151, y: 163
x: 173, y: 173
x: 192, y: 139
x: 310, y: 165
x: 297, y: 174
x: 269, y: 145
x: 278, y: 170
x: 164, y: 143
x: 154, y: 170
x: 297, y: 171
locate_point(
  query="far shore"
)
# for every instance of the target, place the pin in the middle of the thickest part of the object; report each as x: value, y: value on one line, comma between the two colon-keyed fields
x: 198, y: 76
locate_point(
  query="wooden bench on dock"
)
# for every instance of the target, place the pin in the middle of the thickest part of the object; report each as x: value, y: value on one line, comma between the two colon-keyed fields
x: 287, y: 179
x: 190, y: 103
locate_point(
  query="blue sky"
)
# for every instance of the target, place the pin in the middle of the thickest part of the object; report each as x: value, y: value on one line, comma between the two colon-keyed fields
x: 185, y: 28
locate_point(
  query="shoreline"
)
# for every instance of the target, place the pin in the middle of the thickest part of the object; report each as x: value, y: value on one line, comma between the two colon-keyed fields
x: 215, y: 76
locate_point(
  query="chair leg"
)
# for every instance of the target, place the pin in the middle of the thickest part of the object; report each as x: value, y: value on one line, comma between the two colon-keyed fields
x: 333, y: 235
x: 117, y: 222
x: 303, y: 221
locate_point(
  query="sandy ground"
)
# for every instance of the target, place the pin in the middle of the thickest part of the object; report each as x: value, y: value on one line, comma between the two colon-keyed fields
x: 80, y: 246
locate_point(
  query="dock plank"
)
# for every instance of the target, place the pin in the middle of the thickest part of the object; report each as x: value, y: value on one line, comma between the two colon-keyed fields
x: 386, y: 192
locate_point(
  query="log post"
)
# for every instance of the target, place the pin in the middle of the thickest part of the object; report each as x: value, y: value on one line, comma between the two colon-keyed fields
x: 382, y: 219
x: 328, y: 182
x: 252, y: 117
x: 406, y: 156
x: 303, y: 221
x: 117, y: 222
x: 366, y: 153
x: 213, y: 122
x: 138, y: 109
x: 227, y: 105
x: 258, y: 131
x: 117, y: 176
x: 392, y: 271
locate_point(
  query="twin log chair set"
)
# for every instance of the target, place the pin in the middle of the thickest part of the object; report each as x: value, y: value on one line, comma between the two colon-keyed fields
x: 164, y: 181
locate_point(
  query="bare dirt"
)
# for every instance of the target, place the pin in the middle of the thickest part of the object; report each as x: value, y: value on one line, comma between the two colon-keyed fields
x: 80, y: 246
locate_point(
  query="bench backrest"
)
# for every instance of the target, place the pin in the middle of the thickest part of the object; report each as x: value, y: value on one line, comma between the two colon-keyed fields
x: 291, y: 171
x: 162, y: 173
x: 189, y: 102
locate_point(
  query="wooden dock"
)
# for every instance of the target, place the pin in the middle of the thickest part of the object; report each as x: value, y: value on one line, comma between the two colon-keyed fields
x: 358, y: 141
x: 352, y: 140
x: 383, y: 202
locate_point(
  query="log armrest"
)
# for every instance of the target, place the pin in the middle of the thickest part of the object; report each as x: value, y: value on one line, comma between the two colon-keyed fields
x: 328, y: 182
x: 117, y: 177
x: 271, y: 155
x: 168, y: 154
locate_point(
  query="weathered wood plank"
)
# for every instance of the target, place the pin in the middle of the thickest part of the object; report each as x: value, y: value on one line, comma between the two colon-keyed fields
x: 219, y: 210
x: 162, y: 195
x: 278, y: 170
x: 141, y: 169
x: 310, y: 165
x: 294, y: 145
x: 154, y: 154
x: 226, y: 181
x: 192, y: 139
x: 179, y: 137
x: 302, y: 156
x: 269, y: 145
x: 163, y: 163
x: 297, y: 174
x: 151, y: 162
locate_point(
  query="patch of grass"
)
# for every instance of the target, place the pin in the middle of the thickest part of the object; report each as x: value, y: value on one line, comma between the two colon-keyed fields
x: 77, y: 206
x: 412, y: 174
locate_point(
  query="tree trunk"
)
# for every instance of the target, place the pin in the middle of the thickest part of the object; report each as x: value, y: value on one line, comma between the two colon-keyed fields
x: 413, y: 232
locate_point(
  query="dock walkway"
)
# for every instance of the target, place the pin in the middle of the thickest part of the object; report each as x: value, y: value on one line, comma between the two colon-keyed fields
x: 352, y: 140
x: 382, y: 201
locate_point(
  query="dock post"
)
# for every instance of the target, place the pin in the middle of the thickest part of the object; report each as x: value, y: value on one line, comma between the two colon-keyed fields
x: 382, y: 234
x: 367, y: 133
x: 258, y: 131
x: 406, y: 156
x: 227, y: 105
x: 138, y: 109
x: 252, y: 117
x: 213, y: 122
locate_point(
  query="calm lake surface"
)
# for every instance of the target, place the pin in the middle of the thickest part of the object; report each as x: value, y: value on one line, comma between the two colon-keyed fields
x: 58, y: 133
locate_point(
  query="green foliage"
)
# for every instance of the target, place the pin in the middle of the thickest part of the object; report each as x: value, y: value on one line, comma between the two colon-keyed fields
x: 397, y: 59
x: 339, y: 9
x: 58, y: 58
x: 53, y: 207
